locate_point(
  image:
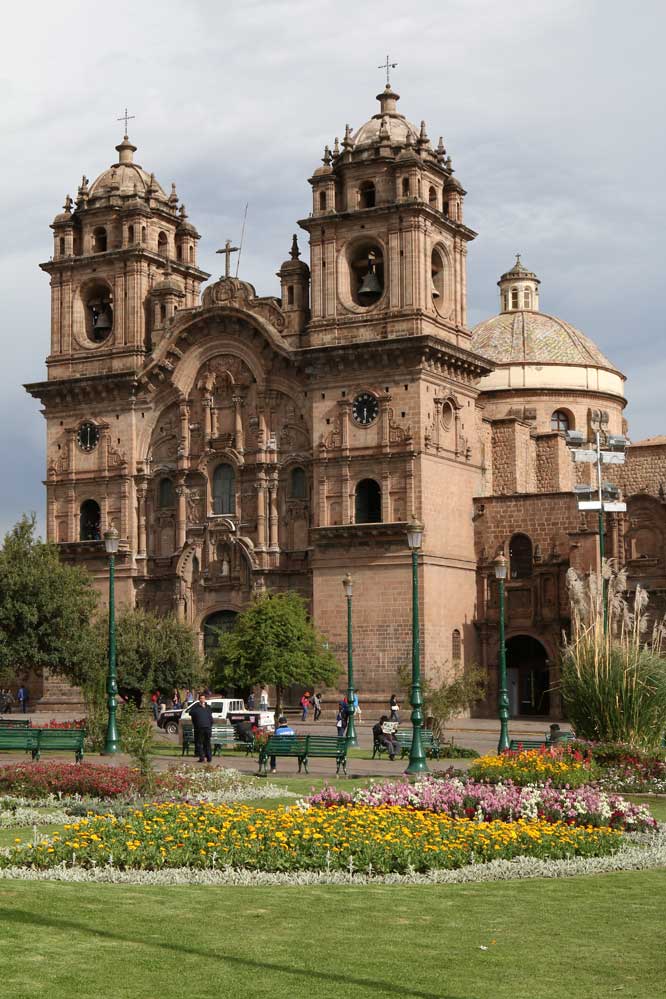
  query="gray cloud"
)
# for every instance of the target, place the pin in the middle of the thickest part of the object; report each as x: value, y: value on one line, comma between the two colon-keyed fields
x: 551, y: 111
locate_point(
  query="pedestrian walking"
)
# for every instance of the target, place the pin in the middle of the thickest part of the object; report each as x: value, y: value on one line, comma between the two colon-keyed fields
x: 155, y: 704
x: 263, y: 699
x: 343, y: 712
x: 305, y: 704
x: 395, y: 708
x: 250, y: 701
x: 22, y: 697
x: 283, y: 728
x: 202, y: 722
x: 340, y: 724
x: 316, y: 704
x: 357, y: 707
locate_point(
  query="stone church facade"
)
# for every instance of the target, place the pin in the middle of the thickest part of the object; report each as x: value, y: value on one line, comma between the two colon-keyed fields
x: 243, y: 443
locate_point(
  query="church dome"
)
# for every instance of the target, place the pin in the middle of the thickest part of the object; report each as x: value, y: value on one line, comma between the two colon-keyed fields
x: 535, y: 338
x: 390, y: 118
x: 533, y: 350
x: 126, y: 177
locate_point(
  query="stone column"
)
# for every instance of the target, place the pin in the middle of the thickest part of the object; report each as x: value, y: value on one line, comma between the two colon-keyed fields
x: 141, y: 518
x: 51, y: 510
x: 346, y: 495
x: 238, y: 423
x: 184, y: 413
x: 273, y: 539
x: 207, y: 417
x: 261, y: 512
x: 181, y: 515
x: 72, y: 526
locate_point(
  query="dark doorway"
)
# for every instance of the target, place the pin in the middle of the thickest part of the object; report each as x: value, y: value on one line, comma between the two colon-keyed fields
x: 89, y: 521
x: 368, y: 507
x: 528, y: 676
x: 214, y: 625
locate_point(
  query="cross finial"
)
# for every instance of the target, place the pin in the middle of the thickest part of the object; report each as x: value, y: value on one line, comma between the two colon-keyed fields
x: 227, y: 251
x: 388, y: 66
x: 126, y: 117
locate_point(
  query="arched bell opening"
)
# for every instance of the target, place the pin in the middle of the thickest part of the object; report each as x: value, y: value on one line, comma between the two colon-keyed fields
x: 368, y: 502
x: 90, y: 520
x: 98, y: 306
x: 366, y: 266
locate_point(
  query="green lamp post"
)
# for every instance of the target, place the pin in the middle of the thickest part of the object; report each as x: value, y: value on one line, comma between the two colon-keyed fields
x: 503, y: 699
x: 112, y: 742
x: 351, y: 724
x: 417, y: 757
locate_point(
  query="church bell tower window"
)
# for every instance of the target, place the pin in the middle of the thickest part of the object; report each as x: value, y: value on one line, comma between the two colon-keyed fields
x: 224, y: 490
x: 368, y: 505
x: 99, y: 239
x: 98, y: 312
x: 90, y: 521
x: 367, y: 195
x: 367, y: 274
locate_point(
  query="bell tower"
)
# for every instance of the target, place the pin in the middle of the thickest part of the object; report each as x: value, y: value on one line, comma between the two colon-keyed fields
x: 387, y: 238
x: 110, y: 249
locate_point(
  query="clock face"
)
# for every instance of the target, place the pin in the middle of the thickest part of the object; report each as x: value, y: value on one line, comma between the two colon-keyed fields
x: 365, y: 409
x: 88, y: 436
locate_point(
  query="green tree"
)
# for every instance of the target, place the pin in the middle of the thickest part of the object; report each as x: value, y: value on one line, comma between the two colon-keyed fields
x: 152, y: 652
x: 45, y: 606
x: 274, y: 642
x: 450, y: 698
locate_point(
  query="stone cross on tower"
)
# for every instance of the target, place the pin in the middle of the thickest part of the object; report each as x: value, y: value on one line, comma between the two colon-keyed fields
x: 127, y: 117
x: 388, y: 66
x: 227, y: 251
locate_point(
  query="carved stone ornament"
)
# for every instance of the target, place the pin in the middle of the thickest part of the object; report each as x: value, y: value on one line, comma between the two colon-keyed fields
x: 232, y: 291
x: 398, y: 434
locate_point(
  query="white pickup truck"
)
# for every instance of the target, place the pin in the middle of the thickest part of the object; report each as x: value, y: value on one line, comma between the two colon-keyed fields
x: 230, y: 709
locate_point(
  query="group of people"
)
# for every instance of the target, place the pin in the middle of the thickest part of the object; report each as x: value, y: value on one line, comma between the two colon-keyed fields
x: 159, y: 702
x: 7, y: 699
x: 313, y: 701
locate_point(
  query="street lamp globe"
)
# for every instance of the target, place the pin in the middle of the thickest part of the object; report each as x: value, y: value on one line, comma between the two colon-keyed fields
x: 414, y: 533
x: 347, y: 585
x: 500, y: 567
x: 111, y: 541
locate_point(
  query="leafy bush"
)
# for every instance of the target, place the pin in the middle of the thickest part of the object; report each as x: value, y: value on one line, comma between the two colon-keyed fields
x: 136, y: 738
x: 450, y: 698
x: 613, y: 683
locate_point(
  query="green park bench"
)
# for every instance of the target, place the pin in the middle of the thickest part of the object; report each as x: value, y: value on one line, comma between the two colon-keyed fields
x: 304, y: 747
x: 429, y: 741
x: 221, y: 736
x: 37, y: 740
x: 15, y: 723
x: 517, y: 744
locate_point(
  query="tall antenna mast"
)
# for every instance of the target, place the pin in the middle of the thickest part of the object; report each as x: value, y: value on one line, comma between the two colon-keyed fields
x: 240, y: 249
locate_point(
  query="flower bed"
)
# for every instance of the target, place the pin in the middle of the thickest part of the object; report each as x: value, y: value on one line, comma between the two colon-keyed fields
x: 625, y: 768
x: 562, y: 766
x: 381, y: 840
x: 460, y: 798
x: 41, y: 781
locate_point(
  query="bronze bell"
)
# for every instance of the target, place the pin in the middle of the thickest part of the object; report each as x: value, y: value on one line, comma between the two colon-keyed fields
x: 433, y: 287
x: 104, y: 321
x: 370, y: 285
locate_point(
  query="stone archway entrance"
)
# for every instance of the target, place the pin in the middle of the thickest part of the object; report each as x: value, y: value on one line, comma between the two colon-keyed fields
x: 528, y: 676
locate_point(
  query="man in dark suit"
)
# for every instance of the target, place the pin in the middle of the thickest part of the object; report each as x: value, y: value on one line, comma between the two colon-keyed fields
x: 201, y: 714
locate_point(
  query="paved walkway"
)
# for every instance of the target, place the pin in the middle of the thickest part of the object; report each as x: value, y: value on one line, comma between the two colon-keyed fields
x: 475, y: 733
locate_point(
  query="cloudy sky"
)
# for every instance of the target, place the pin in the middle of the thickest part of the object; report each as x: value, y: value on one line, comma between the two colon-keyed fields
x: 552, y: 110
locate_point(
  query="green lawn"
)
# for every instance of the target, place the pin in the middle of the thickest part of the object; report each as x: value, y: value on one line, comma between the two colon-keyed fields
x: 592, y: 938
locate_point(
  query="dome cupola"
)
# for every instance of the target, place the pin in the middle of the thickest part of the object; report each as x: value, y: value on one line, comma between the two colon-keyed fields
x: 519, y: 289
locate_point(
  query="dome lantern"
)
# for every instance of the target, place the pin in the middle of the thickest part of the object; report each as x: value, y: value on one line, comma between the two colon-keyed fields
x: 519, y: 289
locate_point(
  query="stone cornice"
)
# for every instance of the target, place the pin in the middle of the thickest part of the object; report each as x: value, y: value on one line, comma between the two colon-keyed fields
x: 134, y: 252
x: 89, y: 388
x: 415, y: 351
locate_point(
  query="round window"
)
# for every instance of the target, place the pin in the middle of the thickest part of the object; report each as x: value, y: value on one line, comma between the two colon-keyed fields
x: 447, y: 416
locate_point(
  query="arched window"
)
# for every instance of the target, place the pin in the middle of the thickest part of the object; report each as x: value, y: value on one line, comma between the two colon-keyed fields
x: 62, y: 246
x: 445, y: 205
x: 162, y: 313
x: 432, y: 197
x: 514, y: 298
x: 143, y: 234
x: 367, y: 194
x: 560, y: 421
x: 527, y: 299
x: 290, y: 294
x: 224, y: 490
x: 191, y: 254
x: 505, y: 299
x: 368, y: 506
x: 520, y: 556
x: 405, y: 187
x: 130, y: 234
x: 297, y: 483
x: 89, y: 521
x: 179, y: 252
x: 99, y: 239
x: 167, y: 495
x: 162, y: 244
x: 456, y: 646
x: 322, y: 201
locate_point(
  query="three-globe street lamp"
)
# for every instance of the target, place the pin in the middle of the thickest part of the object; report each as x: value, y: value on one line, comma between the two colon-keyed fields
x: 503, y: 694
x: 417, y: 757
x: 112, y: 742
x: 351, y: 723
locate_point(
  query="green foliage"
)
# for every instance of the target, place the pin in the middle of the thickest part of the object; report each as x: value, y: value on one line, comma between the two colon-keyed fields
x: 136, y: 737
x: 274, y: 642
x: 151, y: 653
x: 443, y: 702
x: 613, y: 684
x: 45, y: 606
